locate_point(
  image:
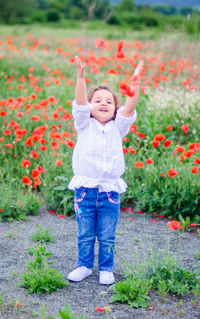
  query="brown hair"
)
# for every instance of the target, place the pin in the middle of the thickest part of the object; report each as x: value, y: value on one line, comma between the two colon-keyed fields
x: 93, y: 89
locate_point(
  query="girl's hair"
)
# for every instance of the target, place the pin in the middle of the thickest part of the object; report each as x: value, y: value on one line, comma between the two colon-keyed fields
x: 93, y: 89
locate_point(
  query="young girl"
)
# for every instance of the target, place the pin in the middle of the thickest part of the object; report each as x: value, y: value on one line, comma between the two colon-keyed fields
x: 98, y: 164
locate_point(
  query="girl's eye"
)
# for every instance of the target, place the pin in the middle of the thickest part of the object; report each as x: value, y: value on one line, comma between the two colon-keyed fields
x: 97, y: 101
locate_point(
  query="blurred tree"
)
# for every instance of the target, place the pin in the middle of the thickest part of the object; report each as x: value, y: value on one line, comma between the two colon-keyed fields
x: 15, y: 11
x: 164, y: 9
x: 126, y: 5
x: 186, y: 10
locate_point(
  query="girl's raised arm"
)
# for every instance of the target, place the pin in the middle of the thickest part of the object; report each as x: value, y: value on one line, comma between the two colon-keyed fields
x: 131, y: 102
x: 80, y: 90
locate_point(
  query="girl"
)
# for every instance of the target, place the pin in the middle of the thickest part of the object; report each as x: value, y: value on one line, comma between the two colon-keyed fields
x: 98, y: 164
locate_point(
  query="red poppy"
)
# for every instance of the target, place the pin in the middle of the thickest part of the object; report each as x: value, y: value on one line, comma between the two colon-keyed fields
x: 131, y: 150
x: 25, y: 163
x: 196, y: 161
x: 194, y: 170
x: 34, y: 154
x: 58, y: 162
x: 26, y: 180
x: 43, y: 148
x: 141, y: 135
x: 184, y: 128
x: 169, y: 128
x: 188, y: 153
x: 139, y: 164
x: 162, y: 175
x: 159, y: 137
x: 175, y: 225
x: 149, y: 161
x: 180, y: 149
x: 35, y: 173
x: 172, y: 172
x: 99, y: 309
x: 125, y: 150
x: 40, y: 169
x: 167, y: 143
x: 155, y: 143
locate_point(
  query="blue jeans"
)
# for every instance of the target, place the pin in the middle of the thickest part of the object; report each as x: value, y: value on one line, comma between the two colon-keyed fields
x: 97, y: 214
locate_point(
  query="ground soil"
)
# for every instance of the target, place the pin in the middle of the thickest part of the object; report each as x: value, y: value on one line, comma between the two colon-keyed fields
x: 137, y: 234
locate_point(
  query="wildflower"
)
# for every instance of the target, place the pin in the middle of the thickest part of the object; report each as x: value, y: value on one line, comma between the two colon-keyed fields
x: 162, y: 175
x: 188, y: 153
x: 159, y: 137
x: 194, y: 170
x: 167, y: 143
x: 149, y: 161
x: 175, y: 225
x: 139, y: 164
x: 141, y: 135
x: 99, y: 309
x: 155, y: 143
x: 180, y: 149
x: 196, y: 161
x: 34, y: 154
x: 58, y: 162
x: 131, y: 150
x: 25, y: 163
x: 169, y: 128
x: 172, y: 172
x: 26, y: 180
x: 184, y: 128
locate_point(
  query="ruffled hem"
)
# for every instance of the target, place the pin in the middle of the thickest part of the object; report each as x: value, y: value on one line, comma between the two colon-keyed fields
x: 108, y: 185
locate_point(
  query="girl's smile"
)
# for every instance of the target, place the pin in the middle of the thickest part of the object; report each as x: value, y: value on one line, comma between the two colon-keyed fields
x: 103, y: 106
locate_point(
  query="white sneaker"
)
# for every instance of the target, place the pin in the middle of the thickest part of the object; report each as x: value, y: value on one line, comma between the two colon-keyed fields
x: 106, y: 278
x: 79, y: 274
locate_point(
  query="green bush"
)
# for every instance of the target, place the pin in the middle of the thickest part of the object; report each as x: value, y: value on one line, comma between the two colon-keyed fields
x: 39, y: 16
x: 40, y: 277
x: 53, y: 15
x: 75, y: 13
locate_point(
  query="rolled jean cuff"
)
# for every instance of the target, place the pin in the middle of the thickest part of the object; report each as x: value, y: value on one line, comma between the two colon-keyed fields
x: 105, y: 269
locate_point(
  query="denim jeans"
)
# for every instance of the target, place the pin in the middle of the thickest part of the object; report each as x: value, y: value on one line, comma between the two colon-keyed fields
x: 97, y: 214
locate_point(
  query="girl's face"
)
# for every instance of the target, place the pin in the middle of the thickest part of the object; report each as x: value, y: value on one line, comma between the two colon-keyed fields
x: 103, y: 106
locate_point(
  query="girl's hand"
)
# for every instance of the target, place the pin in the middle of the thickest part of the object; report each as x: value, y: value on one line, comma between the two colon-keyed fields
x: 80, y: 68
x: 139, y: 68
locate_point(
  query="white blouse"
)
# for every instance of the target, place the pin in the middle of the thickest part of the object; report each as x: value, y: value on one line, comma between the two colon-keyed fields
x: 98, y: 159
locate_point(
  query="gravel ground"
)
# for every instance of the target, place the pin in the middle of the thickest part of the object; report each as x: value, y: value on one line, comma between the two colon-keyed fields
x: 133, y: 236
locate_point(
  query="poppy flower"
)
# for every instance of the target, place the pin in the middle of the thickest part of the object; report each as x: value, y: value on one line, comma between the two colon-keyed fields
x: 34, y: 154
x: 40, y: 169
x: 155, y: 143
x: 180, y: 149
x: 172, y: 172
x: 196, y: 161
x: 159, y: 137
x: 131, y: 150
x: 169, y: 128
x: 25, y: 163
x: 167, y: 143
x: 188, y: 153
x: 26, y: 180
x: 99, y: 309
x: 194, y: 170
x: 141, y: 135
x: 149, y: 161
x: 58, y: 162
x: 184, y: 128
x: 35, y: 173
x: 139, y: 164
x: 175, y: 225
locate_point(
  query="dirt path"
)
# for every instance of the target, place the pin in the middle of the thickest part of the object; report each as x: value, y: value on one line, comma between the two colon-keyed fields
x: 133, y: 236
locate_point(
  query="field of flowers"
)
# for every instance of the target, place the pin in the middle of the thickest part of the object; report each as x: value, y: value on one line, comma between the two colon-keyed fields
x: 162, y: 149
